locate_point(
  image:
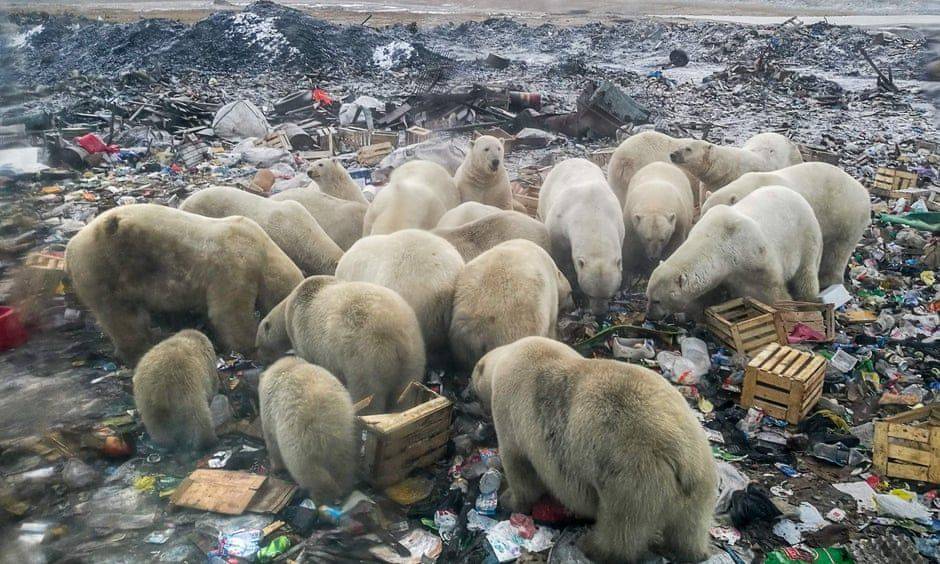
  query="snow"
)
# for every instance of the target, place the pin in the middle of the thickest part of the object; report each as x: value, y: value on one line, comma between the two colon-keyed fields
x: 261, y: 32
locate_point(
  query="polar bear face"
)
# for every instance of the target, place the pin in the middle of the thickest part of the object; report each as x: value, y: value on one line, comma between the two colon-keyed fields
x: 694, y: 155
x: 272, y: 339
x: 324, y: 169
x: 665, y: 292
x: 565, y: 301
x: 486, y: 153
x: 655, y: 231
x: 599, y: 277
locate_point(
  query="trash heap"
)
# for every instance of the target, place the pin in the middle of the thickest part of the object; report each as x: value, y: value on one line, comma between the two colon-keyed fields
x: 105, y: 115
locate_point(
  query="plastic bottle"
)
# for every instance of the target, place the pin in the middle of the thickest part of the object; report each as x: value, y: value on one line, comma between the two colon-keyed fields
x: 696, y: 351
x: 676, y: 368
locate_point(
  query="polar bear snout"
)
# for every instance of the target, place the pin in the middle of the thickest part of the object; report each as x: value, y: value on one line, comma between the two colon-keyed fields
x: 494, y: 165
x: 676, y: 157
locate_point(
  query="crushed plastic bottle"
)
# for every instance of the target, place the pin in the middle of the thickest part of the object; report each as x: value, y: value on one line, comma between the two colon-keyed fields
x: 676, y: 369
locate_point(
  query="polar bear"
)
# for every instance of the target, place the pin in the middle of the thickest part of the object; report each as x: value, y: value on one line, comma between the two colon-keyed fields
x: 418, y: 194
x: 511, y: 291
x: 842, y: 207
x: 133, y: 261
x: 767, y: 246
x: 717, y: 166
x: 327, y: 321
x: 482, y: 176
x: 334, y: 180
x: 309, y: 427
x: 612, y: 441
x: 288, y: 224
x: 475, y: 237
x: 585, y: 226
x: 341, y: 219
x: 419, y: 265
x: 636, y: 152
x: 173, y: 385
x: 657, y: 216
x: 466, y: 213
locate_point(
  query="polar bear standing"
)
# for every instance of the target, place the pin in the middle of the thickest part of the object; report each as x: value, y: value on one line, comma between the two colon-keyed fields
x: 309, y: 427
x: 341, y: 219
x: 636, y: 152
x: 842, y: 207
x: 132, y: 261
x: 419, y: 265
x: 334, y: 180
x: 326, y: 321
x: 173, y: 385
x: 288, y: 224
x: 717, y: 166
x: 466, y: 213
x: 482, y: 176
x: 585, y: 225
x: 767, y: 246
x: 418, y: 194
x: 657, y: 216
x: 478, y: 236
x: 511, y: 291
x: 611, y: 441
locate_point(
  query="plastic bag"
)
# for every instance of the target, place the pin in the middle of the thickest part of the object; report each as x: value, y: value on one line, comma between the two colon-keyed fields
x: 239, y: 120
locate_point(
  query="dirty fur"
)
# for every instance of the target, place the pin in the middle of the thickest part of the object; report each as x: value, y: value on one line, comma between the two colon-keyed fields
x: 717, y: 166
x: 341, y: 219
x: 364, y: 334
x: 511, y: 291
x: 767, y: 246
x: 334, y: 180
x: 133, y: 261
x: 483, y: 234
x: 636, y: 152
x: 419, y: 265
x: 466, y: 212
x: 613, y: 442
x: 842, y: 207
x: 173, y: 385
x: 309, y: 427
x: 418, y: 194
x: 288, y: 224
x: 482, y: 176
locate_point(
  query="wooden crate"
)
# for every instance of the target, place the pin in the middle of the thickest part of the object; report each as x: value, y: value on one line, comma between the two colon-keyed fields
x: 785, y: 382
x: 601, y: 157
x: 896, y: 183
x: 508, y: 139
x: 415, y: 134
x: 371, y: 155
x: 818, y: 154
x: 394, y: 444
x: 907, y: 446
x: 744, y: 324
x: 820, y: 317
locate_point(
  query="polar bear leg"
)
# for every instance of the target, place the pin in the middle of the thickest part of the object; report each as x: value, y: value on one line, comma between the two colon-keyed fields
x: 525, y: 488
x: 805, y: 283
x: 686, y: 538
x: 129, y: 329
x: 619, y: 533
x: 231, y: 308
x: 833, y: 263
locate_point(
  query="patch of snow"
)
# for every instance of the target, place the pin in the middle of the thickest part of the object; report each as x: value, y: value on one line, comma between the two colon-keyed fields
x: 21, y: 39
x: 261, y: 32
x: 391, y: 55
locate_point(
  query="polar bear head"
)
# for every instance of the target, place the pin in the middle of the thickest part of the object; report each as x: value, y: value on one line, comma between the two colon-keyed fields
x: 325, y: 170
x: 666, y: 292
x: 599, y: 276
x: 655, y: 231
x: 486, y: 154
x: 272, y: 339
x: 695, y: 156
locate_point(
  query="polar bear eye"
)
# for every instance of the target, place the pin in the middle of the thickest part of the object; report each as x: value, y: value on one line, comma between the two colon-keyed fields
x: 486, y: 150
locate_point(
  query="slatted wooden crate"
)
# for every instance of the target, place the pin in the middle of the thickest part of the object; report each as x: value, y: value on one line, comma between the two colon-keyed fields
x: 744, y: 324
x: 415, y: 134
x: 819, y: 317
x: 907, y: 446
x: 355, y: 138
x: 785, y: 382
x: 508, y: 139
x: 371, y: 155
x: 601, y: 157
x: 394, y: 444
x: 818, y: 154
x: 895, y: 183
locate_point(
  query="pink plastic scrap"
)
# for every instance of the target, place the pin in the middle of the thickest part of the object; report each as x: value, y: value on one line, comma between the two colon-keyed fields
x: 802, y: 333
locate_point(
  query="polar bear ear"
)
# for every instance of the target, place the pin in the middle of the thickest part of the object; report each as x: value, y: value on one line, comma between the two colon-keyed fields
x: 637, y: 217
x: 682, y: 279
x: 732, y: 200
x: 473, y: 143
x: 671, y: 217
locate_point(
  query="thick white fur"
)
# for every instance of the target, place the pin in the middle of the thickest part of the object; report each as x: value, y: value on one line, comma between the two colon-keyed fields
x: 465, y: 213
x: 334, y: 180
x: 478, y: 236
x: 482, y: 176
x: 717, y: 166
x: 418, y: 194
x: 341, y: 219
x: 637, y: 151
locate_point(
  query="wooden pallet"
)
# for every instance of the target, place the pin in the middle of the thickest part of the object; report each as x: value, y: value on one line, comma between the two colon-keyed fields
x: 744, y: 324
x: 907, y: 446
x: 818, y: 316
x: 394, y: 444
x: 896, y: 183
x: 784, y: 382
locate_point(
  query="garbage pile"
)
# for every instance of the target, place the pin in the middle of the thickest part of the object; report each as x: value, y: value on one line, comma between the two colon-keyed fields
x: 136, y: 124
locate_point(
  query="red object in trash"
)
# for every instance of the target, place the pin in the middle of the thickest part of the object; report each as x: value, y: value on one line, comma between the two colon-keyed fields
x: 321, y: 96
x: 12, y: 332
x: 93, y: 144
x: 550, y: 510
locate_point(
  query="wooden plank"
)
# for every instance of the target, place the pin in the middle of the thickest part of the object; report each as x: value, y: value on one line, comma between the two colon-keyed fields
x: 775, y: 380
x: 907, y: 471
x: 407, y: 432
x: 383, y: 480
x: 908, y: 433
x: 772, y: 409
x: 737, y: 302
x: 817, y: 364
x: 786, y: 364
x: 880, y: 456
x: 775, y: 359
x: 909, y: 455
x: 910, y: 416
x: 756, y: 321
x: 414, y: 452
x: 759, y: 344
x: 798, y: 363
x: 758, y: 331
x: 392, y: 422
x: 764, y: 355
x: 811, y: 397
x: 772, y: 394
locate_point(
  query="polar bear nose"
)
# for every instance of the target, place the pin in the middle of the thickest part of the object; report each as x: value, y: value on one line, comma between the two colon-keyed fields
x: 676, y: 157
x: 494, y: 164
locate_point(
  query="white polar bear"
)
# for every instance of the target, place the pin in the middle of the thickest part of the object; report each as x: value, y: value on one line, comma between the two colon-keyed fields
x: 419, y: 265
x: 335, y: 180
x: 767, y: 246
x: 288, y: 224
x: 636, y: 152
x: 482, y: 176
x: 466, y: 213
x: 418, y: 194
x: 341, y: 219
x: 511, y: 291
x: 717, y: 166
x: 842, y: 207
x: 585, y: 224
x: 657, y: 216
x: 472, y: 239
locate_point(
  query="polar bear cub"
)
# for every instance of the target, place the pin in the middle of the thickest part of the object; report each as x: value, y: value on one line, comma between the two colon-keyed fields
x: 511, y: 291
x: 364, y: 334
x: 173, y: 385
x: 612, y: 441
x: 585, y: 225
x: 767, y: 246
x: 482, y: 176
x: 842, y: 207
